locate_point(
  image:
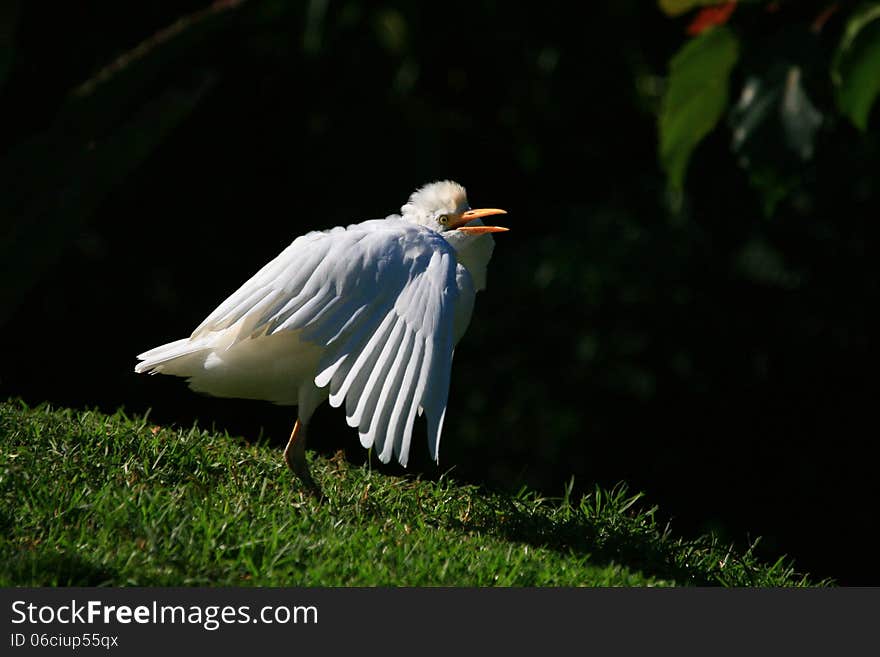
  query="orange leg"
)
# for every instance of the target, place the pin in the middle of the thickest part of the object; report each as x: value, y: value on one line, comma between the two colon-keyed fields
x: 295, y: 457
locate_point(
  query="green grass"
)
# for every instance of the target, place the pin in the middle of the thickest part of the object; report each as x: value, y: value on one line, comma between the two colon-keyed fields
x: 91, y: 499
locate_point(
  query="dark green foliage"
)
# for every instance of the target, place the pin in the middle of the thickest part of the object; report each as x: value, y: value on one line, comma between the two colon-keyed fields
x: 856, y: 65
x: 785, y: 77
x: 696, y: 97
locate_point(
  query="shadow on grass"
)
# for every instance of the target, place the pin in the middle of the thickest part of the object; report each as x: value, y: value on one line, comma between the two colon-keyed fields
x: 625, y: 537
x: 47, y: 567
x: 637, y: 553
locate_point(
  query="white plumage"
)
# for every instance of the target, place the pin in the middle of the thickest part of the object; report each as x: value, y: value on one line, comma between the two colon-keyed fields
x: 367, y: 315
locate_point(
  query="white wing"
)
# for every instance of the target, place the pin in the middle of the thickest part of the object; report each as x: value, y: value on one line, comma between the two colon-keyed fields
x: 379, y: 298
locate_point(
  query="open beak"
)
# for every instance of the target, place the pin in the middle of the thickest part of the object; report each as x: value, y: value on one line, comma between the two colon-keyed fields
x: 466, y: 217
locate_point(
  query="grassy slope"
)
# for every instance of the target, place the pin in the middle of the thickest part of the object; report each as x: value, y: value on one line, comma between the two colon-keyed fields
x: 88, y: 499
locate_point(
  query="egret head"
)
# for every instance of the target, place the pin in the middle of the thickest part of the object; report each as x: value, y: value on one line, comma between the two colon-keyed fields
x: 443, y: 207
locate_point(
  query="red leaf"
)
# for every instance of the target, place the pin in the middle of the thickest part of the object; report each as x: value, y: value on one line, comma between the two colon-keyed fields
x: 711, y: 16
x: 823, y: 17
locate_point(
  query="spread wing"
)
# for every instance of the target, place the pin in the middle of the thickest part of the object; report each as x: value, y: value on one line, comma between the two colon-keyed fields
x: 379, y: 298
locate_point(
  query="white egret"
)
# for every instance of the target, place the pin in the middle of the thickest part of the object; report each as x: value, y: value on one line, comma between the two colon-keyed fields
x: 367, y: 315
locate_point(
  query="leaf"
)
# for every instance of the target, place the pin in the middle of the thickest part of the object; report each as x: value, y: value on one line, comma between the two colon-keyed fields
x: 800, y: 118
x: 774, y: 126
x: 855, y: 68
x: 710, y: 17
x: 695, y: 98
x: 679, y: 7
x: 778, y: 100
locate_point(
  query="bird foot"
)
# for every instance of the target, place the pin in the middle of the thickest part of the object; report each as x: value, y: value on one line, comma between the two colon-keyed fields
x: 301, y: 470
x: 295, y: 457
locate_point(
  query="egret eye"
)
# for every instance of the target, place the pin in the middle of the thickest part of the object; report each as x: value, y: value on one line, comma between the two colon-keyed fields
x: 443, y: 219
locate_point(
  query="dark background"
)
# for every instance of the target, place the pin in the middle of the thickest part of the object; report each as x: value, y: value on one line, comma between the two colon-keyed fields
x: 717, y: 358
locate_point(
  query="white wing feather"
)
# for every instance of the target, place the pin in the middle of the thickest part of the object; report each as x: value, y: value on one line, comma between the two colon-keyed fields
x: 379, y: 299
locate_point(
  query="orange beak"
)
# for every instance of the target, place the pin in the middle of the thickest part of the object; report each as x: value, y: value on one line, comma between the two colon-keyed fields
x: 467, y: 217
